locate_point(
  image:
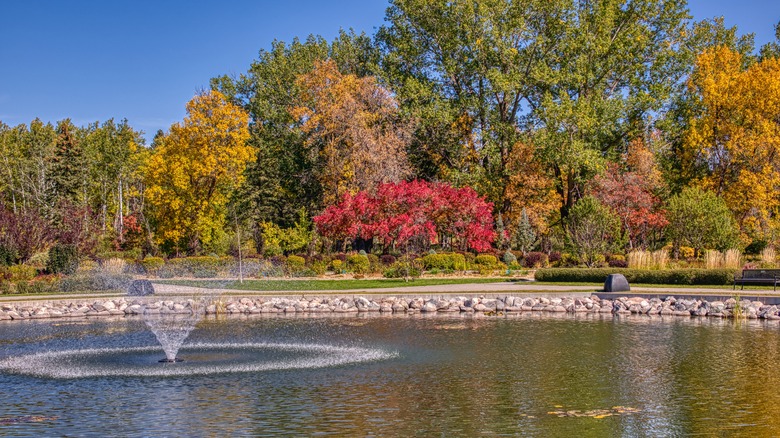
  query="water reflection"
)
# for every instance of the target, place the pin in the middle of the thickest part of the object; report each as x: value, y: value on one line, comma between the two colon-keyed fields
x: 455, y: 375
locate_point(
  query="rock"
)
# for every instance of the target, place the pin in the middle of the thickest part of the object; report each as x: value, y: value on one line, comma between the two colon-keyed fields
x: 616, y: 283
x: 429, y: 306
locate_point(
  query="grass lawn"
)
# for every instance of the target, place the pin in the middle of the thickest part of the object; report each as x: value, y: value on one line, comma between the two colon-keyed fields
x: 296, y: 285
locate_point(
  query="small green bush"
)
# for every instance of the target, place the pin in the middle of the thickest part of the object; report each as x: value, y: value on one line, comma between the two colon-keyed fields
x: 358, y: 264
x: 21, y: 273
x: 644, y: 276
x: 337, y: 265
x: 486, y: 261
x: 295, y: 264
x: 63, y: 259
x: 452, y: 261
x: 398, y: 271
x: 203, y: 267
x: 152, y: 265
x: 319, y: 267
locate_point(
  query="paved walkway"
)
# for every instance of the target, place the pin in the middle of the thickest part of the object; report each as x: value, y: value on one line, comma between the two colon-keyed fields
x: 502, y: 288
x: 487, y: 289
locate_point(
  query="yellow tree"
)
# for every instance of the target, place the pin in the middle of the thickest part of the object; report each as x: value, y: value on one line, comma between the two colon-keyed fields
x: 353, y: 126
x: 736, y: 136
x: 193, y: 170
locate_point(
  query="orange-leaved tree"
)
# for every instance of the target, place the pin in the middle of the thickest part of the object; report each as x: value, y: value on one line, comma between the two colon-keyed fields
x: 354, y: 128
x: 193, y: 170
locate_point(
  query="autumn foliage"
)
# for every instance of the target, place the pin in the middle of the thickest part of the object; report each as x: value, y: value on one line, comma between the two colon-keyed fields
x: 415, y: 213
x: 191, y: 174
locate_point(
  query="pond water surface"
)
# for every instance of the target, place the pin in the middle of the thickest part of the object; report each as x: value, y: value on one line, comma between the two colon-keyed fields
x: 444, y: 375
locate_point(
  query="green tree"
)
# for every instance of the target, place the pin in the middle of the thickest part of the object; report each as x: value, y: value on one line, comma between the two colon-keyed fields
x: 68, y: 168
x: 701, y: 220
x: 594, y: 229
x: 577, y: 78
x: 524, y: 237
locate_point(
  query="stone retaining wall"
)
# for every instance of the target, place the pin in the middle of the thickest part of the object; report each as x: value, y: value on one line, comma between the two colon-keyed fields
x: 253, y: 305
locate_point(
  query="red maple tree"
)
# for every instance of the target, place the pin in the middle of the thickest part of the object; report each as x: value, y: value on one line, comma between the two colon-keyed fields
x: 412, y: 214
x: 630, y: 196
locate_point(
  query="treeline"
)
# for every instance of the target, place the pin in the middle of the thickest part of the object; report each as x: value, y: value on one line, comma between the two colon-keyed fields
x: 588, y: 127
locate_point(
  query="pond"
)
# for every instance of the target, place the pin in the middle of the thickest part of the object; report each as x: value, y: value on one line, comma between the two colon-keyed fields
x: 443, y: 375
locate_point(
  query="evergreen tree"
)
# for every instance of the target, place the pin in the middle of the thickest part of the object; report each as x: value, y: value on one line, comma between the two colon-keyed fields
x: 524, y: 238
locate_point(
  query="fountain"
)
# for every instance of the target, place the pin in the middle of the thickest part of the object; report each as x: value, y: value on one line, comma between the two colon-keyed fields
x: 171, y: 327
x: 172, y: 323
x: 171, y: 331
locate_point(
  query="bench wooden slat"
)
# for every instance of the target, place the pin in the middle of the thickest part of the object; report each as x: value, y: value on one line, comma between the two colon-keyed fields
x: 758, y: 276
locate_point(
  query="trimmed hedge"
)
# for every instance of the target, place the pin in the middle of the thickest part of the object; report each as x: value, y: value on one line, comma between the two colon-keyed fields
x: 644, y: 276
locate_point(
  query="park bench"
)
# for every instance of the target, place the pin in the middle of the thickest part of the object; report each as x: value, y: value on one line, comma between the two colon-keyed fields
x: 758, y: 276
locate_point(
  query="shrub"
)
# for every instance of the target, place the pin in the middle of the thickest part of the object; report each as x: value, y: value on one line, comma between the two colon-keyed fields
x: 87, y: 266
x: 337, y: 265
x: 358, y: 264
x: 203, y: 267
x: 295, y: 264
x: 509, y: 258
x: 39, y: 260
x: 21, y: 273
x: 387, y: 259
x: 644, y: 276
x: 535, y: 260
x: 277, y: 260
x: 319, y: 267
x: 617, y: 263
x: 63, y: 259
x: 554, y: 257
x: 7, y: 256
x: 373, y: 263
x: 450, y: 261
x: 41, y: 285
x: 401, y: 270
x: 152, y: 265
x: 486, y: 260
x: 340, y: 256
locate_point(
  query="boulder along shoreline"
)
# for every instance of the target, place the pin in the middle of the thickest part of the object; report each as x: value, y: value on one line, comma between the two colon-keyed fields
x: 129, y: 306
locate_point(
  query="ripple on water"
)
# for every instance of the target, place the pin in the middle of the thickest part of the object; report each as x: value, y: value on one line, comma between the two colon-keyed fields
x: 199, y: 359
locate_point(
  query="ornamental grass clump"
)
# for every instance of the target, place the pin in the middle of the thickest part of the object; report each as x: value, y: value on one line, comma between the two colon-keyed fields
x: 113, y: 266
x: 768, y: 257
x: 732, y: 259
x: 639, y: 259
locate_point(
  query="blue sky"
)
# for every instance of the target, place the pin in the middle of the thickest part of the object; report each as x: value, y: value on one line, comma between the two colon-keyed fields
x: 143, y: 60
